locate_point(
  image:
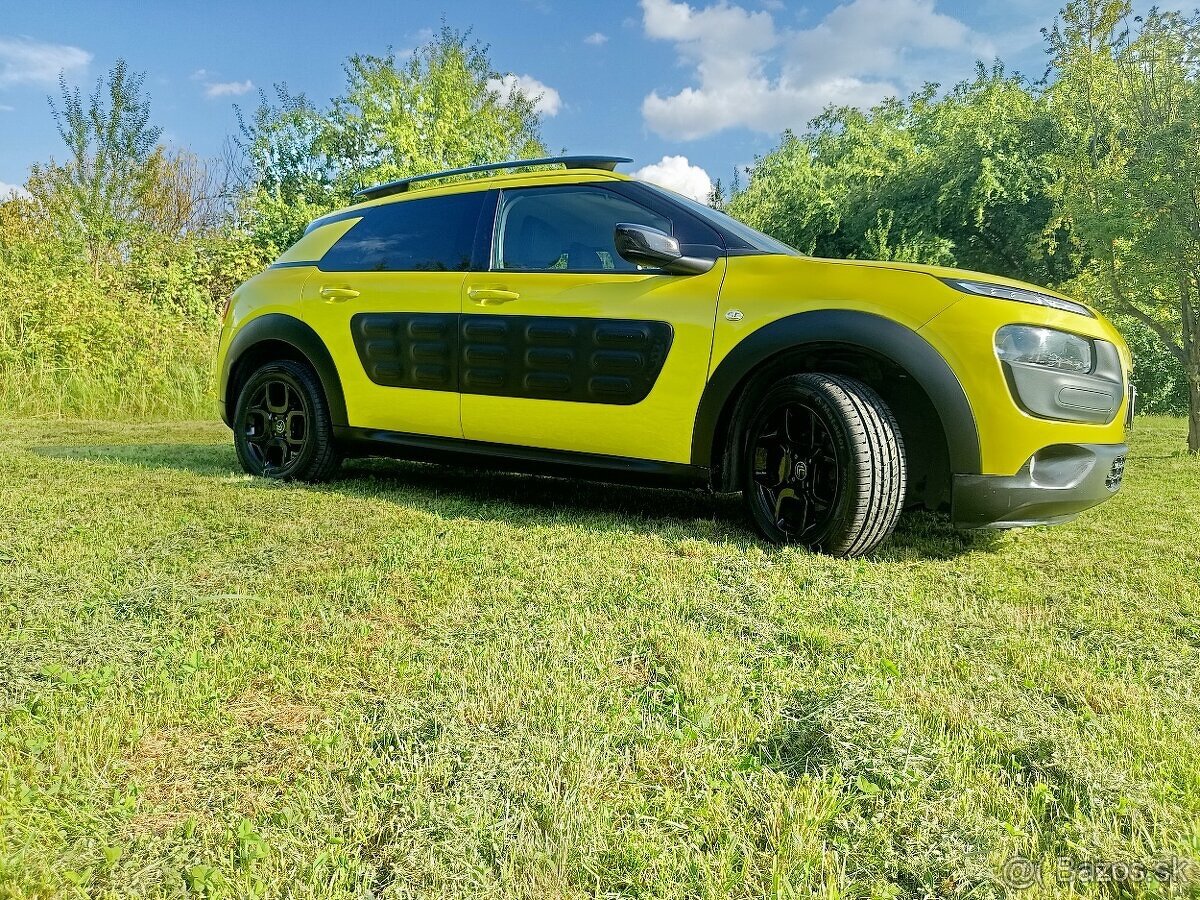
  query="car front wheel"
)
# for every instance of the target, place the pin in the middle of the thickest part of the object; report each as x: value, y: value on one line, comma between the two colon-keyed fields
x: 823, y: 465
x: 281, y: 425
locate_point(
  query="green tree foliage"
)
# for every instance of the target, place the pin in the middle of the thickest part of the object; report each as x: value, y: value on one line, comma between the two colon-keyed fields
x: 441, y: 107
x: 1125, y: 100
x: 959, y: 179
x: 92, y: 198
x: 131, y: 339
x: 286, y: 180
x: 113, y: 271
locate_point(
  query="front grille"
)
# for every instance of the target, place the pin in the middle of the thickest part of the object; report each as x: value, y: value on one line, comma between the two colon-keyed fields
x: 1115, y: 474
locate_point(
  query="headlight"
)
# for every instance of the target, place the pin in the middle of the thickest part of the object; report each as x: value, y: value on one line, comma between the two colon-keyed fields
x: 1044, y: 347
x: 1021, y: 295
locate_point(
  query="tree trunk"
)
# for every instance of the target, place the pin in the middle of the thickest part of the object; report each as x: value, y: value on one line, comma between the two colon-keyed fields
x: 1193, y: 377
x: 1191, y: 365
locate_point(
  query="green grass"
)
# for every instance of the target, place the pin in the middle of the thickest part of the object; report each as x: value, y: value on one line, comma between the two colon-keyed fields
x: 434, y: 682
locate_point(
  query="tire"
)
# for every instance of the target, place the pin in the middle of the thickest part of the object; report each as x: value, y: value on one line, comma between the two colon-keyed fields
x: 823, y: 465
x: 281, y: 425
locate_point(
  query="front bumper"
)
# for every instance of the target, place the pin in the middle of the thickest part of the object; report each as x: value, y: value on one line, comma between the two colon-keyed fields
x: 1055, y: 485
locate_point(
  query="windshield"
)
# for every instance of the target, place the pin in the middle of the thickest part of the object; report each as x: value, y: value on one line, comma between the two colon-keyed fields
x: 726, y: 222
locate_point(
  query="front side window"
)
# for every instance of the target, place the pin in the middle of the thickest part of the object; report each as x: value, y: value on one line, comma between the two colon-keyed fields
x: 433, y: 234
x: 566, y: 229
x: 751, y: 238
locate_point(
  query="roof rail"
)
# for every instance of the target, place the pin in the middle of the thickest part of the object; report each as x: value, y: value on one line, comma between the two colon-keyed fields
x: 608, y: 163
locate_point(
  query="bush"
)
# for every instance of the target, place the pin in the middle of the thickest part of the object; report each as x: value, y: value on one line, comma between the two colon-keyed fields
x: 129, y: 340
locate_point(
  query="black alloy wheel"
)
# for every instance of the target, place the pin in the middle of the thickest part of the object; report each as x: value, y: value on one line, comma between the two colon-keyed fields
x: 282, y: 428
x: 276, y: 427
x: 796, y: 471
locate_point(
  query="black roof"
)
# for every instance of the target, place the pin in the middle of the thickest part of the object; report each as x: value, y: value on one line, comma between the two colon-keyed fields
x: 608, y: 163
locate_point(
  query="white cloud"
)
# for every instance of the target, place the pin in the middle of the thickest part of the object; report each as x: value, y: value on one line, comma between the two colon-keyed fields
x: 677, y: 174
x: 214, y: 88
x: 228, y: 88
x: 596, y: 39
x: 420, y: 39
x: 546, y: 99
x: 753, y: 74
x: 4, y: 107
x: 8, y: 191
x: 24, y: 60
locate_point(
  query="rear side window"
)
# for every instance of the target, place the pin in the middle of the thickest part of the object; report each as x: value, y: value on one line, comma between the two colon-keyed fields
x: 435, y: 234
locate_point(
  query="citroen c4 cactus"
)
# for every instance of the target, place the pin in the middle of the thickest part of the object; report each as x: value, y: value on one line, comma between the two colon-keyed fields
x: 570, y: 320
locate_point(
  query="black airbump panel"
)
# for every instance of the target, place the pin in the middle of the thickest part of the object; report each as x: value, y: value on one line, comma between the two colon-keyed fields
x: 413, y: 350
x: 614, y: 361
x: 583, y: 360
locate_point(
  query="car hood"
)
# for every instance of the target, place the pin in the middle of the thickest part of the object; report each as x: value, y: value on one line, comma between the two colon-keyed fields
x: 947, y: 272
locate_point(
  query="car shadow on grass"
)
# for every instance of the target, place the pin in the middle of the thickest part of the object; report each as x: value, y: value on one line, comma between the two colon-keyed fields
x: 460, y: 492
x: 209, y: 460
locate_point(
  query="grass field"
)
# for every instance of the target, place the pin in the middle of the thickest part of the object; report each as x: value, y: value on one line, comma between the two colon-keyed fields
x: 432, y: 682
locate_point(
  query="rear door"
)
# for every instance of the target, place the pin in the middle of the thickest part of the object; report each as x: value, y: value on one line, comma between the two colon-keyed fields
x: 566, y: 346
x: 386, y: 301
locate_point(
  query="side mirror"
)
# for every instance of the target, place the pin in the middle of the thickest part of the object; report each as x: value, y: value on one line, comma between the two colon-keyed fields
x: 646, y: 246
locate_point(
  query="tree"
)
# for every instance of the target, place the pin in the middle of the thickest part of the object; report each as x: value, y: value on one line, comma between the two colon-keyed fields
x: 183, y: 194
x: 1126, y: 103
x: 716, y: 197
x: 442, y: 107
x: 285, y: 181
x: 94, y: 197
x: 959, y: 178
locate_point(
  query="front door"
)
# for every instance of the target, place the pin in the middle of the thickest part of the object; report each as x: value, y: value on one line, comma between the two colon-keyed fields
x: 564, y: 345
x: 386, y: 300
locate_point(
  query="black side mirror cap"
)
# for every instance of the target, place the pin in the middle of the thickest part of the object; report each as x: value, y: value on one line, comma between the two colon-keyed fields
x: 655, y: 249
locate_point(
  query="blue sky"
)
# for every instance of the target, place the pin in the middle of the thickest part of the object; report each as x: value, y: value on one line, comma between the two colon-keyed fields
x: 706, y: 85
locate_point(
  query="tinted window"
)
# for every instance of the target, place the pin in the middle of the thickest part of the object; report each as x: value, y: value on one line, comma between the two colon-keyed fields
x: 435, y: 234
x: 566, y: 229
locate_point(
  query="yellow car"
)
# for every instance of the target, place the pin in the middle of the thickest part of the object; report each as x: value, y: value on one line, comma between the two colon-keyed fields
x: 573, y: 321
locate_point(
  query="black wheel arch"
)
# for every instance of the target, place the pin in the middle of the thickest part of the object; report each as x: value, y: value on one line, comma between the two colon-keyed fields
x: 279, y: 336
x: 778, y: 349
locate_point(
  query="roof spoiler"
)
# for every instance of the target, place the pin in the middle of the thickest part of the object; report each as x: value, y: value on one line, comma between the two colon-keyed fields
x: 607, y: 163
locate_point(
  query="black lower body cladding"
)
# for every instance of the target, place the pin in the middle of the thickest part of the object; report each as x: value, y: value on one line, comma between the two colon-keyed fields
x: 1054, y: 486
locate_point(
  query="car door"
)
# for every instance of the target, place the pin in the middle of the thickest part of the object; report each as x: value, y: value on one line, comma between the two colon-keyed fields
x: 386, y: 301
x: 566, y: 346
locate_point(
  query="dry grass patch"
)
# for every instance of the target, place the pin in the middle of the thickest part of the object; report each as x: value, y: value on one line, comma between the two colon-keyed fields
x: 260, y: 708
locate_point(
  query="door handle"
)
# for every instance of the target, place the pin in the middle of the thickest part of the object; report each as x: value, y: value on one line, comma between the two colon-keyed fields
x: 484, y: 296
x: 335, y: 294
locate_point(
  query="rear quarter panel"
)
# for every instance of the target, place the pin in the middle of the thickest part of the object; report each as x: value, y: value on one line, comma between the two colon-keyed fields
x: 271, y: 291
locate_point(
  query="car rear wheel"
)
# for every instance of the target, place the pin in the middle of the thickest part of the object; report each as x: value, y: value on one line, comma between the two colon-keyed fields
x: 824, y: 465
x: 281, y: 425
